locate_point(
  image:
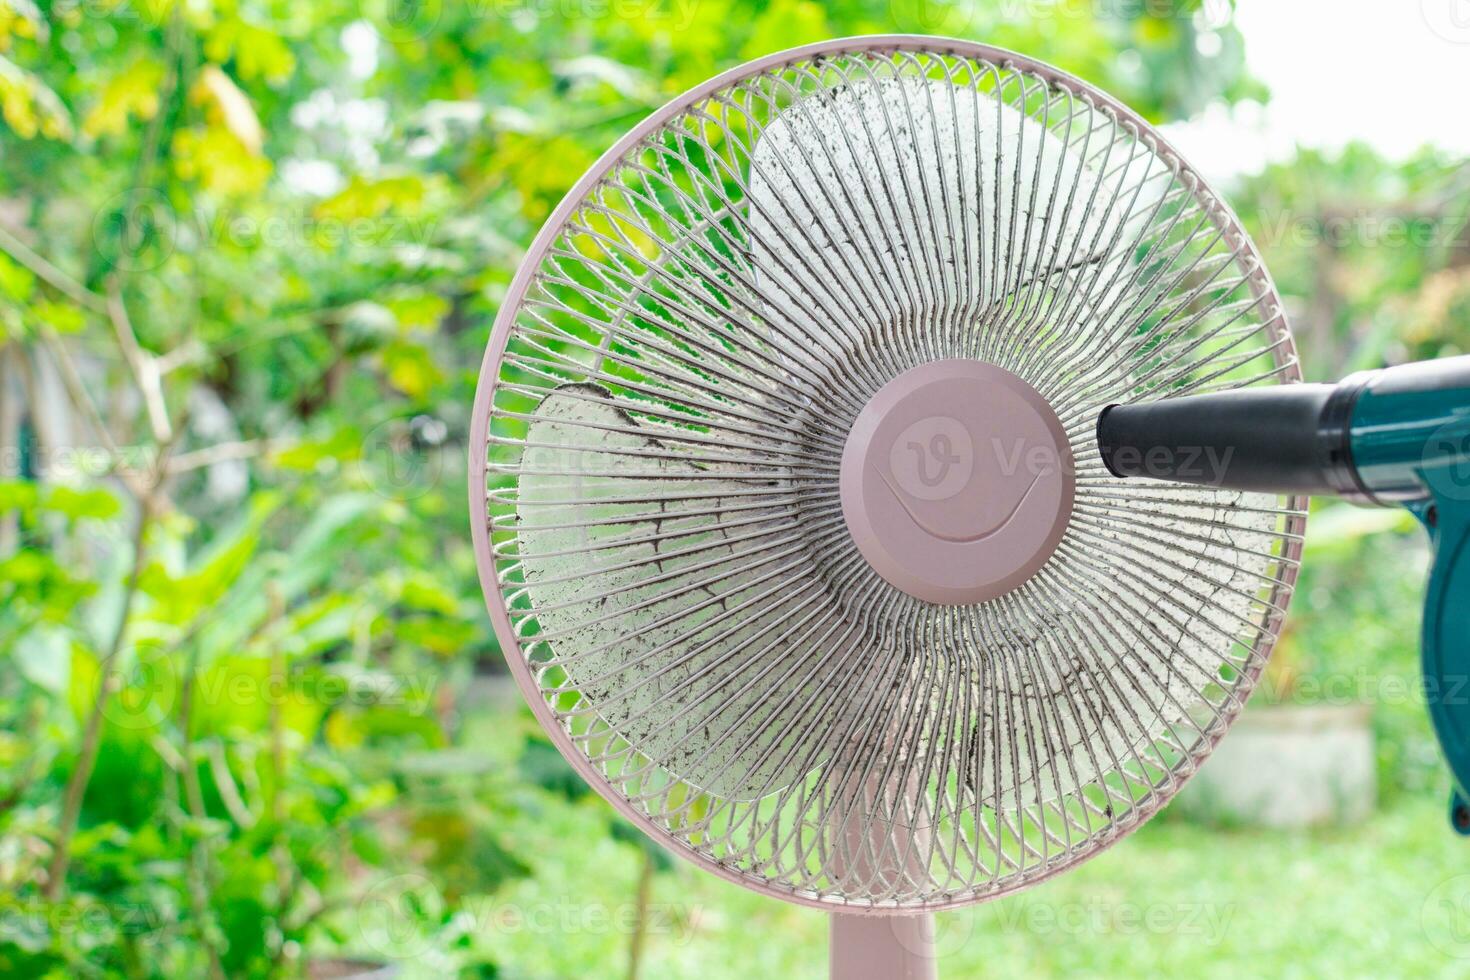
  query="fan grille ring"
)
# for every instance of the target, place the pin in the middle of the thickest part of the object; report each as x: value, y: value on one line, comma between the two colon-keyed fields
x: 661, y: 412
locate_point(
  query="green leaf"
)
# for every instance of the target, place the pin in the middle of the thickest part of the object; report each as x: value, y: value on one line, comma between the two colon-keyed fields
x: 344, y: 443
x: 213, y: 572
x: 18, y: 496
x: 95, y: 503
x: 29, y: 106
x: 422, y: 590
x: 16, y: 281
x: 43, y: 657
x: 60, y: 317
x: 418, y: 310
x: 411, y: 369
x: 130, y: 95
x: 365, y: 198
x: 786, y: 24
x: 541, y: 764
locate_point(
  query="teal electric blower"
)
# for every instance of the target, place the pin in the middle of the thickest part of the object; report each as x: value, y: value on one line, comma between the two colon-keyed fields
x: 1396, y: 436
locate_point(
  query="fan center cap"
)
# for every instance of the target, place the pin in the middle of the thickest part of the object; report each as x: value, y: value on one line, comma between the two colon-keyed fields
x: 957, y: 481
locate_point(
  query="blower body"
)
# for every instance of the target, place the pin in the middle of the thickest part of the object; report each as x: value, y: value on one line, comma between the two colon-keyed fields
x: 1398, y: 436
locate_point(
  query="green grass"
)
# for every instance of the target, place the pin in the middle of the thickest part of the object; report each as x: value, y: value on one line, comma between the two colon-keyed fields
x: 1175, y: 899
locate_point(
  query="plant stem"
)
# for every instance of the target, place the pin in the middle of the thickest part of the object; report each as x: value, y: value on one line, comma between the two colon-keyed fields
x: 76, y: 785
x: 640, y: 923
x: 286, y: 870
x: 194, y: 799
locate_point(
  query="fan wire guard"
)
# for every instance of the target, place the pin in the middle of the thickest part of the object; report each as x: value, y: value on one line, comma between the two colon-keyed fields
x: 655, y: 457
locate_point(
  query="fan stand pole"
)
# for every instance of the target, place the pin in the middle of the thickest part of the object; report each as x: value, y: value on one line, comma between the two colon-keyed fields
x: 884, y: 835
x: 882, y: 947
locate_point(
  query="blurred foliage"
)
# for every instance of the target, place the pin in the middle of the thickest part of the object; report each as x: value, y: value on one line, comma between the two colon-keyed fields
x: 1372, y: 258
x: 249, y: 255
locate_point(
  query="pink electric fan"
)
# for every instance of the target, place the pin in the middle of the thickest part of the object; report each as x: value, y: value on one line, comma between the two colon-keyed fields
x: 792, y: 522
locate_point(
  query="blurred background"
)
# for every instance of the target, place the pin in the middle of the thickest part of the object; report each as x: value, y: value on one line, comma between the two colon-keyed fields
x: 253, y: 721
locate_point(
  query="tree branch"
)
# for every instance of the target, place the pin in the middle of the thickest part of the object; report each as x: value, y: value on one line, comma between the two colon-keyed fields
x: 142, y: 363
x: 219, y: 453
x: 49, y: 273
x: 224, y: 781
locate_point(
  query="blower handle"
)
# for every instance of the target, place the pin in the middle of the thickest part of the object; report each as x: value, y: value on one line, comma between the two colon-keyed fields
x: 1446, y: 641
x: 1411, y: 445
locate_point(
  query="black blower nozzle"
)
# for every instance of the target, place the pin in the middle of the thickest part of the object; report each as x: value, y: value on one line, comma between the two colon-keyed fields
x: 1280, y: 439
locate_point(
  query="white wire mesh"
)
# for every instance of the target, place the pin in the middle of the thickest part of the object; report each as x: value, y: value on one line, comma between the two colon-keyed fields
x: 666, y: 420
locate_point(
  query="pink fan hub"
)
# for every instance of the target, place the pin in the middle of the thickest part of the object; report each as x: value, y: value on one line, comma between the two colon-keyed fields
x: 957, y: 481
